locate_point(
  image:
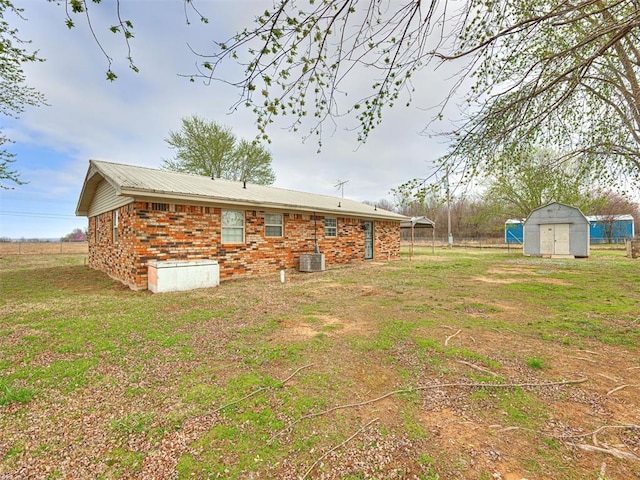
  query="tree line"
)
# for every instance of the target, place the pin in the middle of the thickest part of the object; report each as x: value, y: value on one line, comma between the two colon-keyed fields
x: 475, y: 216
x: 533, y: 179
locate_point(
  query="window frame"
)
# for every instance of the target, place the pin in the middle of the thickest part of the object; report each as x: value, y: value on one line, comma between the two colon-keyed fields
x: 328, y: 228
x: 231, y: 228
x: 268, y: 224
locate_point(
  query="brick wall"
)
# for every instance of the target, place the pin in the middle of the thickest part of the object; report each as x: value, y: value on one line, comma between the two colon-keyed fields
x: 117, y: 259
x: 149, y: 231
x: 386, y: 235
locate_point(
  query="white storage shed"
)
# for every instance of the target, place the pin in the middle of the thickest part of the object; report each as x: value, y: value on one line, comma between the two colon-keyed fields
x: 556, y: 230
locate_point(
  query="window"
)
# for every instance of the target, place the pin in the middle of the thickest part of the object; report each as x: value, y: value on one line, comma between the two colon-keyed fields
x: 273, y: 225
x: 232, y: 226
x: 330, y: 227
x: 97, y: 228
x: 115, y: 226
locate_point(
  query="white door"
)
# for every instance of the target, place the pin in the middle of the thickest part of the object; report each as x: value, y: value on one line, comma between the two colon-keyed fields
x: 562, y: 244
x: 547, y: 239
x: 554, y: 239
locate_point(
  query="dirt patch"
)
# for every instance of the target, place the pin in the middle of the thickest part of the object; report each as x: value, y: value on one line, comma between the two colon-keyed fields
x: 319, y: 324
x: 521, y: 273
x: 506, y: 281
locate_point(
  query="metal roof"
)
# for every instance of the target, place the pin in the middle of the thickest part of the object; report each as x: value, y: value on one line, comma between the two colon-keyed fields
x: 143, y: 182
x: 418, y: 222
x: 606, y: 218
x: 558, y: 206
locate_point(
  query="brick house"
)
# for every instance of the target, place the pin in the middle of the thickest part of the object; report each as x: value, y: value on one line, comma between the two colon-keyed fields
x: 138, y: 214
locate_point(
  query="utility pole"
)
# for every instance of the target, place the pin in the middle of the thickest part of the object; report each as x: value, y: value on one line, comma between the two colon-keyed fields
x: 448, y: 190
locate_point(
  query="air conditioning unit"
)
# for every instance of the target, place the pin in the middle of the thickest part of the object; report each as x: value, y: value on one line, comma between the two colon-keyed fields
x: 312, y: 262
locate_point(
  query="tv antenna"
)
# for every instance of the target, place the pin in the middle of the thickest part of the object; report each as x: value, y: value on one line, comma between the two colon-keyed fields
x: 340, y: 186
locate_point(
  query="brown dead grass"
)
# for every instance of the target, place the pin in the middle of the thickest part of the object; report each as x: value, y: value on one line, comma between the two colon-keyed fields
x: 43, y: 248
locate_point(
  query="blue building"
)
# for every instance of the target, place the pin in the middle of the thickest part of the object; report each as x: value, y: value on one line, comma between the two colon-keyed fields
x: 611, y: 228
x: 513, y: 231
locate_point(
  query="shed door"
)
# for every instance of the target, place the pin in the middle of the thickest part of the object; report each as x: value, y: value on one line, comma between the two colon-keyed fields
x: 554, y: 239
x: 563, y: 246
x: 368, y: 240
x: 547, y: 235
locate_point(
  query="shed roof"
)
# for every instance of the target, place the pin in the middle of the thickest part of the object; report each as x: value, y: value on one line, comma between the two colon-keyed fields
x: 557, y: 205
x: 143, y: 182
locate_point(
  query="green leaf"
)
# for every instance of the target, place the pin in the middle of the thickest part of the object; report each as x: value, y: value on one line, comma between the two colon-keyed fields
x: 76, y: 6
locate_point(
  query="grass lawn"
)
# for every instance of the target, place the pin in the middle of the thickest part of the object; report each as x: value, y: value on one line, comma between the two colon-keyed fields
x: 463, y: 364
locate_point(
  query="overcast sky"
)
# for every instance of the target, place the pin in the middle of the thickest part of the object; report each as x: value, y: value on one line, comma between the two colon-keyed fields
x: 126, y: 121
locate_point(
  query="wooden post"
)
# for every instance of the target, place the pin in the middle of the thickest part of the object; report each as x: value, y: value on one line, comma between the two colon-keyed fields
x: 411, y: 251
x: 433, y: 239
